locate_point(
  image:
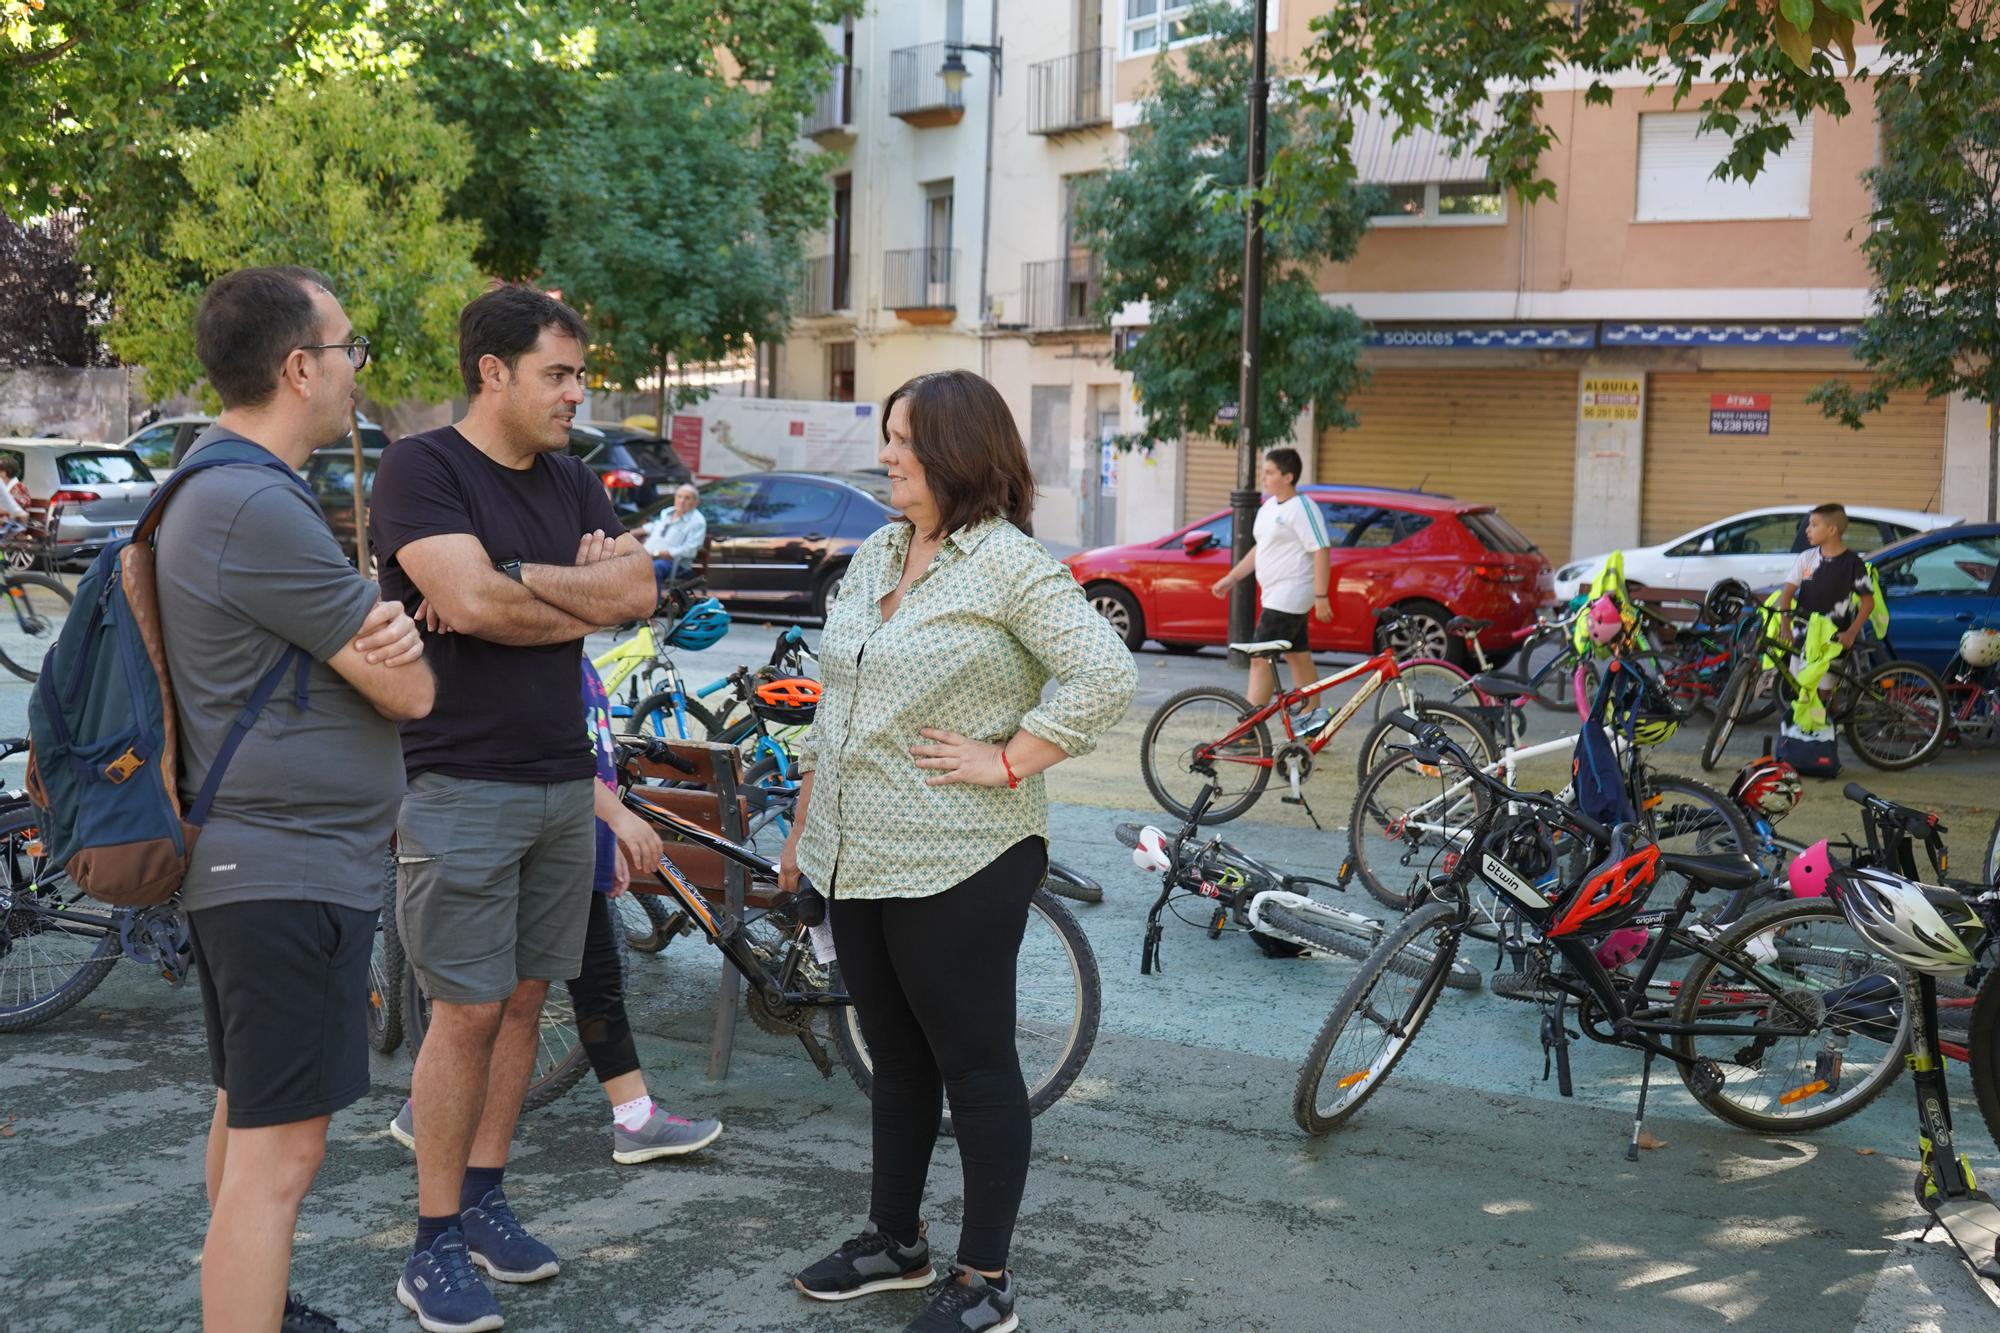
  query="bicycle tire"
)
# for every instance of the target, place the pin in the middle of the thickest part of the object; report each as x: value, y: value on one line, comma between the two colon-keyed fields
x: 1046, y: 1088
x: 1307, y: 1110
x: 385, y: 969
x: 1072, y: 884
x: 1415, y: 961
x: 1432, y: 678
x: 644, y: 921
x: 1916, y: 677
x: 1459, y: 723
x: 556, y: 1070
x: 1716, y: 823
x: 1991, y: 874
x: 1223, y: 809
x: 700, y: 722
x: 23, y: 627
x: 1370, y: 815
x: 1983, y: 1046
x: 21, y: 1011
x: 1729, y: 707
x: 1734, y: 942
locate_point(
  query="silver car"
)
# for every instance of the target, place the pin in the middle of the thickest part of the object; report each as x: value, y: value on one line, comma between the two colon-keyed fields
x: 102, y: 489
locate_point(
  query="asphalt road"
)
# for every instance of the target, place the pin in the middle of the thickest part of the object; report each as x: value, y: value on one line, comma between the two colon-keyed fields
x: 1170, y: 1191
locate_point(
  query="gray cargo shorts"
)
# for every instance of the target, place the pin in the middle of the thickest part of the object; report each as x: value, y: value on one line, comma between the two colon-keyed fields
x: 493, y: 883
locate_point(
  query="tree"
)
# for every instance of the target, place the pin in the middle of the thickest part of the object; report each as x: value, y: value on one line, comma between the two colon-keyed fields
x: 348, y: 177
x: 52, y: 315
x: 1168, y: 228
x: 683, y: 221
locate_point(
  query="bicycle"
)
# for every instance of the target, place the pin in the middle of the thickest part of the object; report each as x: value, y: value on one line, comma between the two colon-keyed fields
x: 1207, y: 730
x: 37, y: 605
x: 1894, y: 714
x: 1974, y: 692
x: 1748, y: 1027
x: 1275, y: 908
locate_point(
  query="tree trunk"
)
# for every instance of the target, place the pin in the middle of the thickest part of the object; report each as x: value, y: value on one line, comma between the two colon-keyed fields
x: 360, y: 505
x: 660, y: 401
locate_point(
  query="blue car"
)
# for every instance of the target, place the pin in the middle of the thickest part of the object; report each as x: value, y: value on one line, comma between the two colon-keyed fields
x: 1939, y: 585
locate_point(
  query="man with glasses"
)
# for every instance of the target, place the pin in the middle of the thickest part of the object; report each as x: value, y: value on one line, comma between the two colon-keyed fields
x: 285, y: 882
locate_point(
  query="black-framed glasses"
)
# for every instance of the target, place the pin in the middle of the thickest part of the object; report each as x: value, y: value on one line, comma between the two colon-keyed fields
x: 357, y: 350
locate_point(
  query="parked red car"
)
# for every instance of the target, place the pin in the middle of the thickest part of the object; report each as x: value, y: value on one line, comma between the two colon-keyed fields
x: 1429, y: 555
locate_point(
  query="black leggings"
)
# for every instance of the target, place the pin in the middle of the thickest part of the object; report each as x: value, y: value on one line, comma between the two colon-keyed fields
x: 933, y: 985
x: 598, y: 996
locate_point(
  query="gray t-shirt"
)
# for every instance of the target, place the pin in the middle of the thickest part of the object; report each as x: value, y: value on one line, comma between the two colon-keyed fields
x: 247, y: 568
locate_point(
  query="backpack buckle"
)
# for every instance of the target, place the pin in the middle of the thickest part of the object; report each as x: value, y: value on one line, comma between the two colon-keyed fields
x: 123, y: 767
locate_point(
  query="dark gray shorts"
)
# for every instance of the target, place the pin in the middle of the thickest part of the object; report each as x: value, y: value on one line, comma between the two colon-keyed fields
x: 493, y: 883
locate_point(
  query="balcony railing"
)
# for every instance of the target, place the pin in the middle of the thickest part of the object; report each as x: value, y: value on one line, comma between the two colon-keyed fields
x: 1072, y: 92
x: 917, y: 92
x: 1062, y: 293
x: 833, y: 109
x: 822, y: 288
x: 919, y: 279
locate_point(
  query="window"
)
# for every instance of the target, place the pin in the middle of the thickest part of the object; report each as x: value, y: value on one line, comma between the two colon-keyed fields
x: 1222, y: 528
x: 1343, y: 519
x: 728, y: 501
x: 333, y: 479
x: 1865, y: 535
x: 105, y: 468
x: 788, y: 502
x: 155, y: 445
x: 1677, y: 174
x: 1442, y: 204
x: 1963, y: 567
x: 1766, y: 534
x: 1496, y: 533
x: 840, y: 372
x: 1387, y: 527
x: 1152, y: 24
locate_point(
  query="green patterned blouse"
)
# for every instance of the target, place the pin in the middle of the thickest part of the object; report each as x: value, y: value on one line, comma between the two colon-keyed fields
x: 968, y: 650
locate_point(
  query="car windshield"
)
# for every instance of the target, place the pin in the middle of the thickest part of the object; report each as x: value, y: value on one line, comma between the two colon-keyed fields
x: 101, y: 467
x: 651, y: 458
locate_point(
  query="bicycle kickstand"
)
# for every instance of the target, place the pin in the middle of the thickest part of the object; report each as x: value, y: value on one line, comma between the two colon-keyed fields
x: 1639, y: 1117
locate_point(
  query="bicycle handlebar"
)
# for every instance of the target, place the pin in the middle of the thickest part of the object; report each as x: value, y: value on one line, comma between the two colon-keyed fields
x: 1437, y: 743
x: 653, y: 750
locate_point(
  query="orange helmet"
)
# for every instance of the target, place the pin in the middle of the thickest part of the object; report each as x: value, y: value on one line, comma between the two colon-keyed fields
x: 789, y: 701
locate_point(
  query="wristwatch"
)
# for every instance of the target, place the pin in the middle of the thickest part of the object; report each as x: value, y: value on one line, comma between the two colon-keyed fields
x: 511, y: 568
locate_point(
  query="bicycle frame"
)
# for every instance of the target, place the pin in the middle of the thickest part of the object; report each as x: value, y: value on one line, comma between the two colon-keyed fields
x: 1381, y: 670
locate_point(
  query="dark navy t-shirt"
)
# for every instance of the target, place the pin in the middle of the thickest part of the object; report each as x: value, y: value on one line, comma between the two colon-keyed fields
x: 504, y: 713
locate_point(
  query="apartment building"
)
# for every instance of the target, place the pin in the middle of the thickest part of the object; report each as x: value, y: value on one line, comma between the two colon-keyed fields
x: 1613, y: 366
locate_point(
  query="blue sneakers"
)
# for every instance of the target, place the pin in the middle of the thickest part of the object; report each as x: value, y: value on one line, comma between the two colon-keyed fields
x: 447, y: 1296
x: 501, y: 1245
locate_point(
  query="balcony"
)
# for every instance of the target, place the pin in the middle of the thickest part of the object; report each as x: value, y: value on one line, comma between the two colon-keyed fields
x: 832, y: 116
x: 1062, y: 293
x: 1070, y: 93
x: 822, y: 288
x: 917, y: 94
x: 919, y: 285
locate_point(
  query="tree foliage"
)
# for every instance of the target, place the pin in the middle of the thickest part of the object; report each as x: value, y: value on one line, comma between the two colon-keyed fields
x: 683, y: 220
x: 348, y: 176
x: 52, y: 316
x: 1168, y: 228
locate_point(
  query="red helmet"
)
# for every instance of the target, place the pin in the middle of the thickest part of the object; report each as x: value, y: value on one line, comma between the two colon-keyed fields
x: 1768, y: 787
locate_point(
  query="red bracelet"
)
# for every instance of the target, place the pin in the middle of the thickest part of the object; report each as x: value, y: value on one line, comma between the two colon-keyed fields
x: 1012, y: 781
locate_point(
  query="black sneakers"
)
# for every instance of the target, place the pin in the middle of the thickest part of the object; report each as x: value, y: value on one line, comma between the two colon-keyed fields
x: 969, y: 1302
x: 302, y: 1318
x: 868, y: 1263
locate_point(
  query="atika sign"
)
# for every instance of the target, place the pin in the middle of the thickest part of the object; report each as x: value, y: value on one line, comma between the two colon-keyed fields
x: 1739, y: 414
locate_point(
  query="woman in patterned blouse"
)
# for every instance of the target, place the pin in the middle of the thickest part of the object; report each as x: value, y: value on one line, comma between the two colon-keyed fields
x: 921, y: 815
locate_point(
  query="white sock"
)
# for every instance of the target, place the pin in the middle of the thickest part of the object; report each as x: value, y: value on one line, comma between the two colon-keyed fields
x: 632, y: 1116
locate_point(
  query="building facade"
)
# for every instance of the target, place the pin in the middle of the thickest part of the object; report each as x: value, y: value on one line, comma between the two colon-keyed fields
x: 1610, y: 367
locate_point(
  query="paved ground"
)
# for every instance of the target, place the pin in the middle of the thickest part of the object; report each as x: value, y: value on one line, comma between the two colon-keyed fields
x: 1171, y: 1190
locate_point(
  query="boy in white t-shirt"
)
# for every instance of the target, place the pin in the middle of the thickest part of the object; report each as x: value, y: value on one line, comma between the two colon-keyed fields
x: 1293, y: 573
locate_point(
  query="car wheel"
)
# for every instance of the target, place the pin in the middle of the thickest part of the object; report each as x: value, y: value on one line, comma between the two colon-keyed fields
x: 1122, y: 610
x: 1428, y: 637
x: 826, y: 590
x: 1182, y: 649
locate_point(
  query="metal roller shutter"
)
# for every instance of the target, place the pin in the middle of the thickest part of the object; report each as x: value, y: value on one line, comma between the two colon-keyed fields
x: 1505, y: 438
x: 1208, y: 474
x: 1693, y: 477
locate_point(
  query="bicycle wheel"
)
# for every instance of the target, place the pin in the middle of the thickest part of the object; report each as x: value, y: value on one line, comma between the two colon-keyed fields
x: 1691, y: 818
x: 1983, y: 1046
x: 1991, y: 873
x: 1058, y: 1001
x: 1729, y: 706
x: 1430, y: 678
x: 1808, y: 1073
x: 385, y: 969
x: 1374, y: 1021
x: 1202, y: 716
x: 1458, y: 724
x: 1416, y: 960
x: 1899, y: 717
x: 560, y: 1062
x: 644, y: 921
x: 654, y: 716
x: 1072, y: 884
x: 56, y: 945
x: 1406, y: 815
x: 36, y: 606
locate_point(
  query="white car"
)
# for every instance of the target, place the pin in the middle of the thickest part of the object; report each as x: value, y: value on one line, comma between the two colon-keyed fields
x: 1757, y: 546
x: 102, y: 489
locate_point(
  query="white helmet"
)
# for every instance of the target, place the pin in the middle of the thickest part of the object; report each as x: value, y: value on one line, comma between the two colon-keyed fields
x: 1921, y: 926
x: 1980, y: 647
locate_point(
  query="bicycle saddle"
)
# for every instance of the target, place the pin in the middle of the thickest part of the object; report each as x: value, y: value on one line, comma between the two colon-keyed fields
x: 1724, y: 870
x: 1500, y: 687
x: 1467, y: 625
x: 1267, y: 646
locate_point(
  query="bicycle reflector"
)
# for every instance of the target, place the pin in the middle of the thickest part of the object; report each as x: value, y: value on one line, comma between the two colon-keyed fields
x: 1613, y: 894
x: 789, y: 701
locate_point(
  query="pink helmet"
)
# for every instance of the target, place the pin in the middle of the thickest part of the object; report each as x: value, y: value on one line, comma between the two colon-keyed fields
x: 1606, y: 622
x: 1810, y: 870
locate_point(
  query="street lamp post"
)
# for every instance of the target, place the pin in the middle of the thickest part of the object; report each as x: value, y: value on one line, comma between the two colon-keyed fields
x: 1243, y: 500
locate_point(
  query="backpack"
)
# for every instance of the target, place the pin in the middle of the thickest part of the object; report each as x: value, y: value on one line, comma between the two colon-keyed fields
x: 102, y: 763
x: 1597, y: 779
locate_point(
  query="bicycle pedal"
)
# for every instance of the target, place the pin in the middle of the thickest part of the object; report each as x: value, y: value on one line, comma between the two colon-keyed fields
x: 1705, y: 1077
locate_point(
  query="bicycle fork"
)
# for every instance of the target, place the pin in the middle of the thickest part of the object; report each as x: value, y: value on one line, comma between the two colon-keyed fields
x: 1946, y: 1189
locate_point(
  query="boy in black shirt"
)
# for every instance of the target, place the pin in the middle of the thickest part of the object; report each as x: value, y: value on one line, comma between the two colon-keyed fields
x: 1830, y: 580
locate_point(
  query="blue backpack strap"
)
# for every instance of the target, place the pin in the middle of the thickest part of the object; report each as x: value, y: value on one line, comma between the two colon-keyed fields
x: 227, y: 451
x: 294, y: 658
